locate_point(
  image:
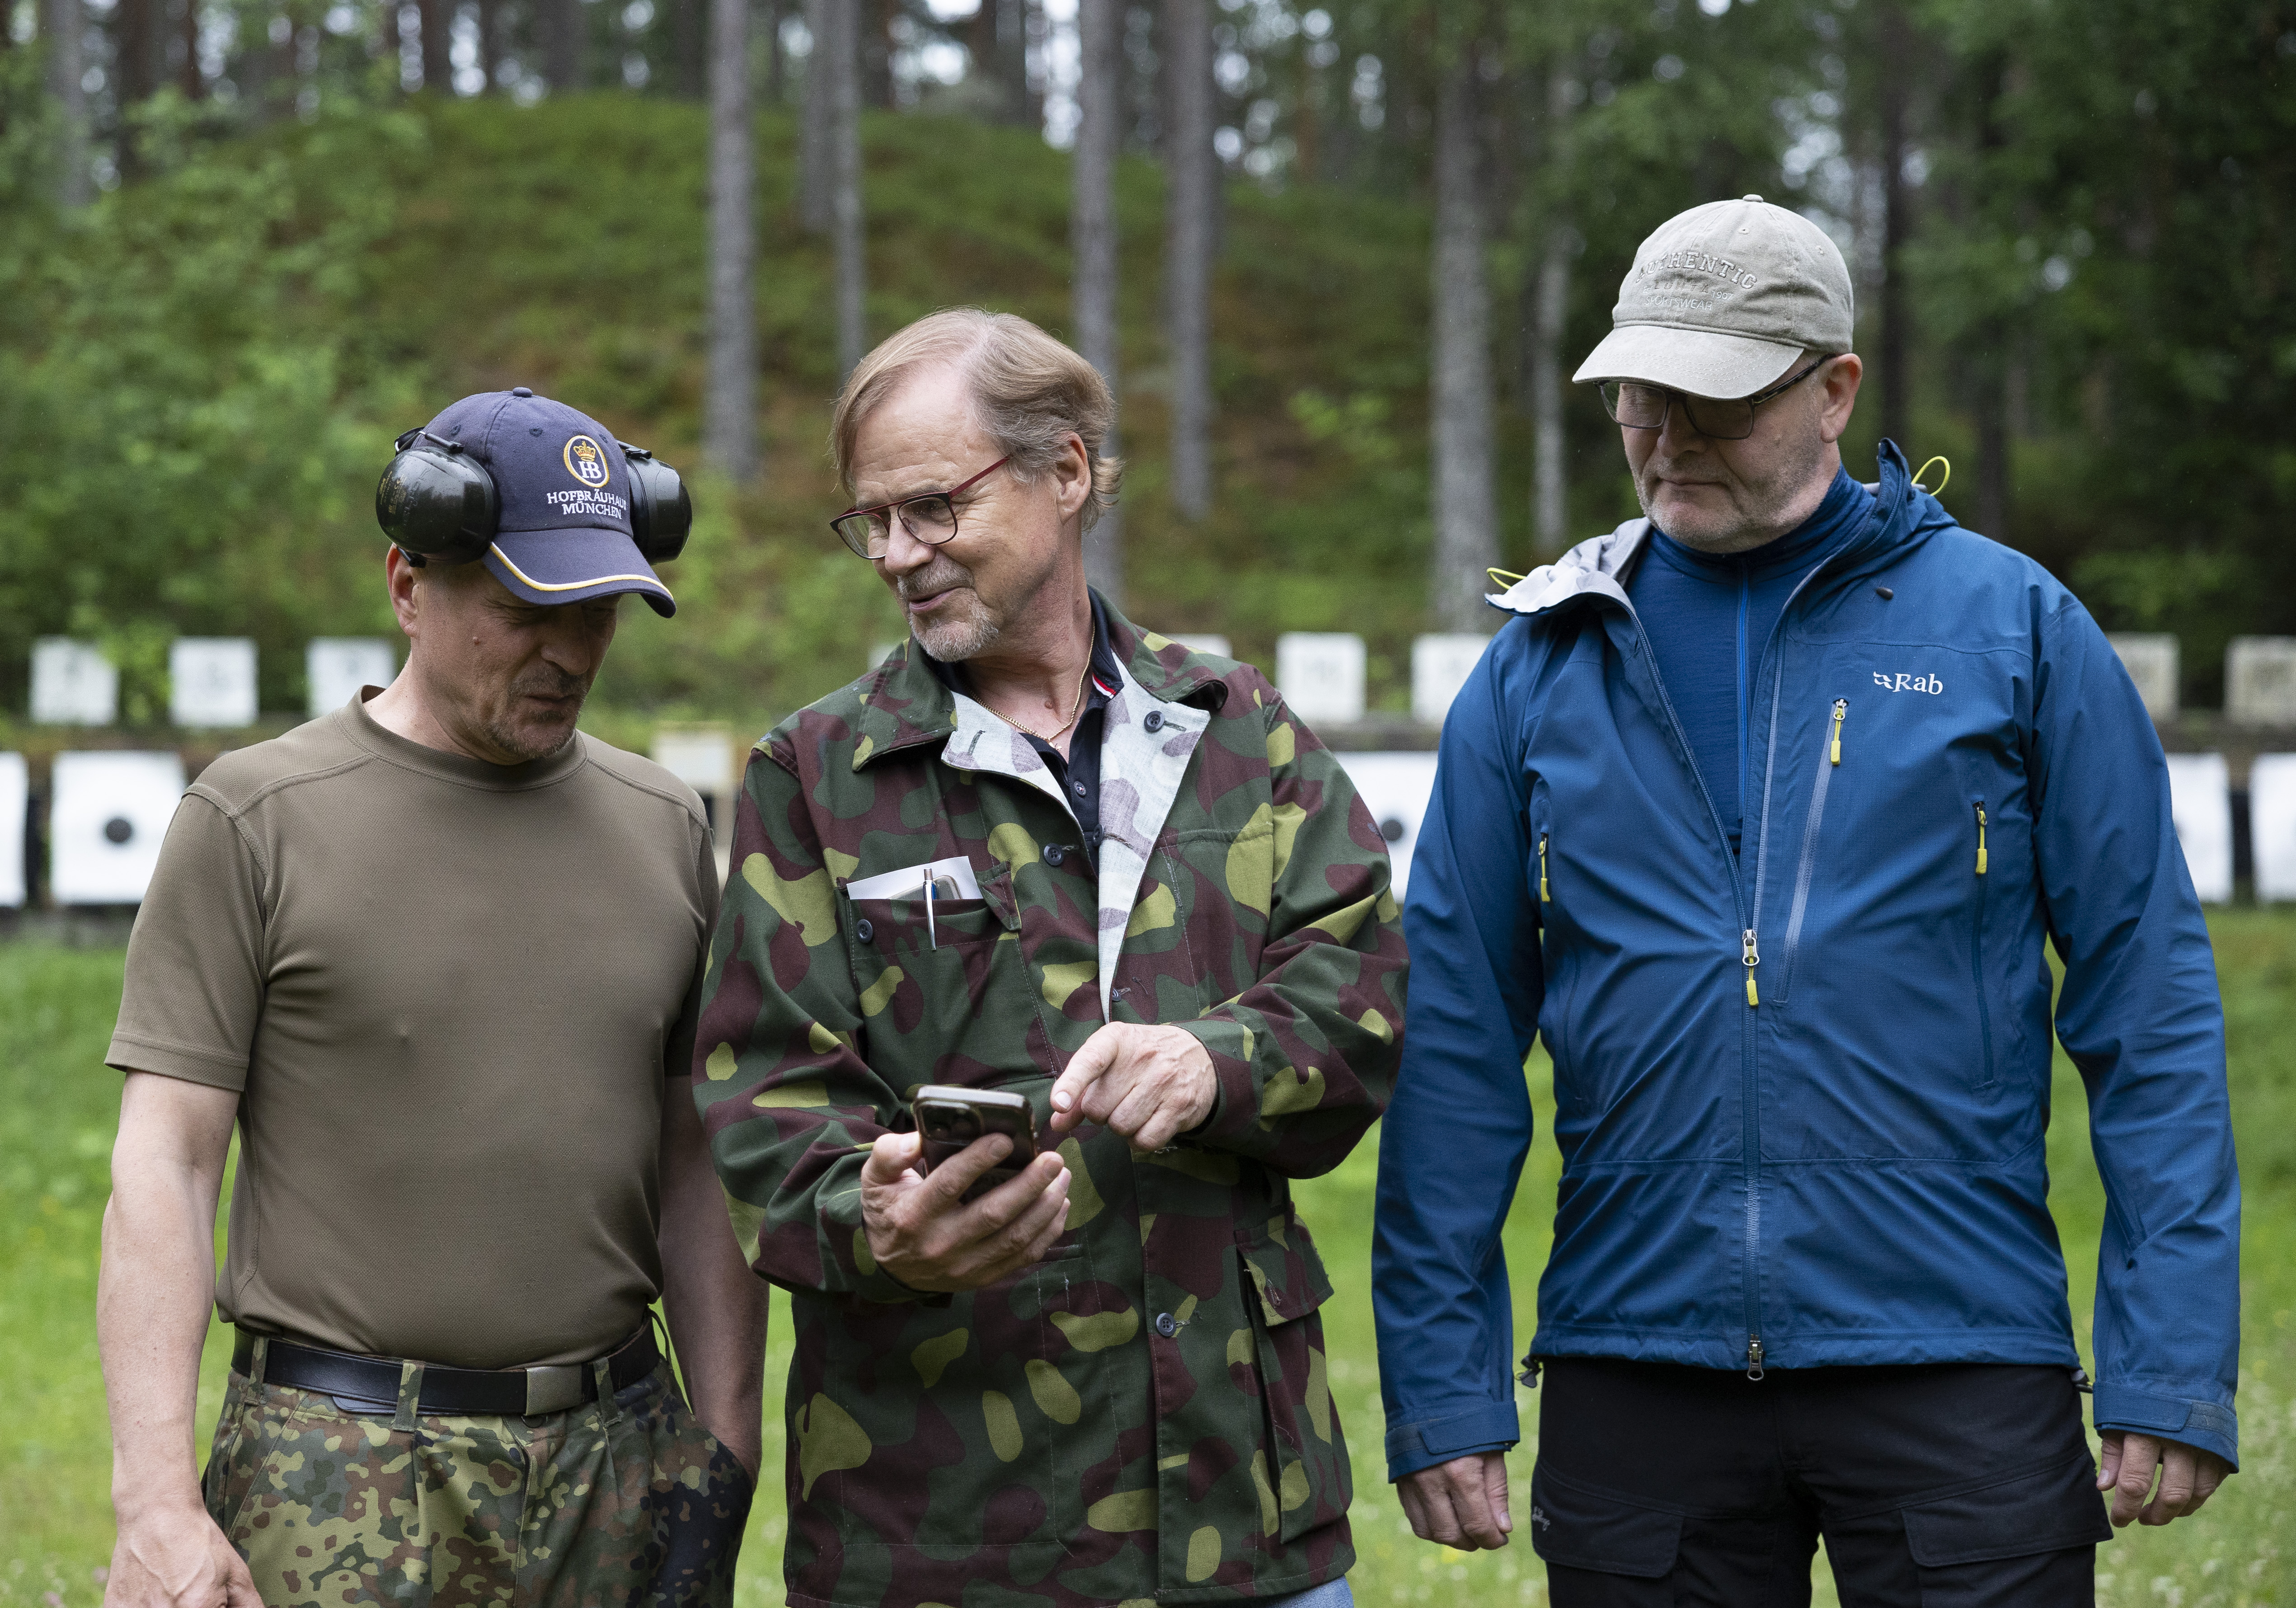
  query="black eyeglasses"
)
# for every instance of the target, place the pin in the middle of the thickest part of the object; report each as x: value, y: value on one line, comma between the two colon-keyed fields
x: 1640, y: 406
x: 930, y: 519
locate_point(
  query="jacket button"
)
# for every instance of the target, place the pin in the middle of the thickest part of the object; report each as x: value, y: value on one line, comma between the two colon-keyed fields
x: 1154, y: 722
x: 1053, y: 854
x: 1078, y: 789
x: 1167, y: 1325
x: 864, y: 932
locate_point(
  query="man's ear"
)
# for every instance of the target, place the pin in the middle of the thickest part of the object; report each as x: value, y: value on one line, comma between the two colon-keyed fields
x: 1839, y: 396
x: 1072, y: 476
x: 405, y: 583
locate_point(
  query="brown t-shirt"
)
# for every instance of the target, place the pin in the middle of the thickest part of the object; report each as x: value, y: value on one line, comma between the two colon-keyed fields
x: 447, y: 992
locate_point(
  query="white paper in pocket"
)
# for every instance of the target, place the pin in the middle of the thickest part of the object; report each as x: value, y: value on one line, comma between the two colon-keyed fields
x: 909, y: 881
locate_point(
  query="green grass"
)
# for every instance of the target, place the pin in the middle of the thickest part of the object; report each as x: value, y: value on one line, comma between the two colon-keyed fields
x: 58, y: 1106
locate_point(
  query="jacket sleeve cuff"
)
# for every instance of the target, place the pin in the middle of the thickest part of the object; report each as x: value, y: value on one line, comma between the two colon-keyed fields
x: 2200, y: 1423
x: 1482, y: 1426
x: 1235, y: 1100
x: 860, y: 1276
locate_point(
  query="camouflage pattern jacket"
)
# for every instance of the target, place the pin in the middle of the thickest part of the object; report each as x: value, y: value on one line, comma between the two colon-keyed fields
x: 1146, y: 1413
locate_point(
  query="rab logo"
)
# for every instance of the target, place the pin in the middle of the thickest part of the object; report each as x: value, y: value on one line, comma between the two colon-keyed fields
x: 1908, y: 684
x: 586, y: 461
x: 1538, y: 1517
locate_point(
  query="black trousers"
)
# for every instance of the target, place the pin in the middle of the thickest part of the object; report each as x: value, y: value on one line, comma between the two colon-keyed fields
x: 1954, y: 1486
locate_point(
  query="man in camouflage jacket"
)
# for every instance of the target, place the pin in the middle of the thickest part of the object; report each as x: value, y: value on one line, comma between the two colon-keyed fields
x: 1145, y: 1411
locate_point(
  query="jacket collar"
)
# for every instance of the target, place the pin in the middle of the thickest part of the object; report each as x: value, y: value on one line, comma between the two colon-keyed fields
x: 1598, y: 567
x: 904, y: 704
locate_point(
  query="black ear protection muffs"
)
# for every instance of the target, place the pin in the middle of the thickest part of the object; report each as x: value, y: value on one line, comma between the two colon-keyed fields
x: 437, y: 501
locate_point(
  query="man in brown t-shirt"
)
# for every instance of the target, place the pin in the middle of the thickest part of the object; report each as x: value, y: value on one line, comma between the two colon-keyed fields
x: 437, y: 955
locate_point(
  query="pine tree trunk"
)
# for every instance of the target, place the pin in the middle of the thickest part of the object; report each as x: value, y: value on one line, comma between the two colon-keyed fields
x: 387, y: 51
x: 1020, y: 106
x: 491, y: 43
x: 1191, y: 173
x: 1991, y: 408
x: 1466, y: 516
x: 730, y: 421
x: 817, y: 141
x: 1549, y: 506
x: 776, y: 57
x: 1550, y: 467
x: 254, y: 72
x: 437, y: 64
x: 188, y: 78
x: 846, y: 218
x: 1897, y: 225
x: 688, y: 28
x: 562, y: 41
x: 1091, y: 241
x: 65, y: 22
x: 135, y: 37
x: 872, y: 23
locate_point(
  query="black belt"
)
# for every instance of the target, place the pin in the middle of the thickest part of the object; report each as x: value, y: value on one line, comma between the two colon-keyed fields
x: 370, y: 1383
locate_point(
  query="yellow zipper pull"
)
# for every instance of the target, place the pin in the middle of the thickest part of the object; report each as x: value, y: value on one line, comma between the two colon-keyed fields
x: 1753, y: 958
x: 1542, y: 869
x: 1840, y: 708
x: 1981, y: 837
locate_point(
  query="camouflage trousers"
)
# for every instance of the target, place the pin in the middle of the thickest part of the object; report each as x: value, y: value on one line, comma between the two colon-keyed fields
x: 634, y: 1505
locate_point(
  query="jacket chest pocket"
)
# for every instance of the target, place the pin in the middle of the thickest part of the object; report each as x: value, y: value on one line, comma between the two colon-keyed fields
x: 944, y: 981
x: 1281, y: 1359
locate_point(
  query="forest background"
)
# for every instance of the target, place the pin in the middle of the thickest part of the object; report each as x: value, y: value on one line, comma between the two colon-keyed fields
x: 249, y: 240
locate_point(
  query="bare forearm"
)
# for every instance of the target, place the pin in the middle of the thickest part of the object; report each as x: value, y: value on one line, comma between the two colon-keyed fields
x: 152, y: 1300
x: 716, y: 1305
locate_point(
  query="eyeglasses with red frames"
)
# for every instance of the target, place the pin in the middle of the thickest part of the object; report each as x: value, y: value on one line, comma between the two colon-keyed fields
x: 930, y: 519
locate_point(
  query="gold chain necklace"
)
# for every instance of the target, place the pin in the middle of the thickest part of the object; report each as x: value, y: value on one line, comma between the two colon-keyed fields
x: 1075, y: 710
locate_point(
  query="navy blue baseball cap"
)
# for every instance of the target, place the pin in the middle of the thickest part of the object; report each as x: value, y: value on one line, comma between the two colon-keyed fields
x: 564, y: 533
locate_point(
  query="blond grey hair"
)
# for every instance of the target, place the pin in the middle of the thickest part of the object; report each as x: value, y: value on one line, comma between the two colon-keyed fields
x: 1029, y: 393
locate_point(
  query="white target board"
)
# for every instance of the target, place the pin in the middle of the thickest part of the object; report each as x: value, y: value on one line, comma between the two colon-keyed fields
x: 2150, y: 657
x: 1440, y: 664
x: 73, y: 684
x: 2200, y: 797
x: 2272, y: 825
x: 211, y: 681
x: 15, y: 797
x: 108, y: 815
x: 1203, y: 641
x: 1395, y: 787
x: 336, y: 668
x: 1321, y: 676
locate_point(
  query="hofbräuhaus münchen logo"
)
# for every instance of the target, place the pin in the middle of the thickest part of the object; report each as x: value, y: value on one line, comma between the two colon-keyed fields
x: 586, y: 461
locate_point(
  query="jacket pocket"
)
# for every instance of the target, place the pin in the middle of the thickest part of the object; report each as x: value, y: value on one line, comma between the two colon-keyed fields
x: 1586, y: 1527
x: 1812, y: 836
x: 2049, y: 1511
x: 1555, y: 957
x: 946, y: 997
x: 1307, y: 1482
x: 1977, y: 950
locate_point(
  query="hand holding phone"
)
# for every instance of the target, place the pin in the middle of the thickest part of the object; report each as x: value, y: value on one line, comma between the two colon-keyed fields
x: 950, y: 1120
x: 920, y: 1233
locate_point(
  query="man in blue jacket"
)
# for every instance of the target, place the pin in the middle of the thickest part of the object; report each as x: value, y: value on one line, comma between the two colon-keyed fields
x: 1760, y: 813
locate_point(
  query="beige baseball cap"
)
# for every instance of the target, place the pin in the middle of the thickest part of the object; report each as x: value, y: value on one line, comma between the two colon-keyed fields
x: 1723, y: 298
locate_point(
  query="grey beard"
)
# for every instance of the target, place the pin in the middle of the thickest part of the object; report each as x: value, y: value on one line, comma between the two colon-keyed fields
x: 959, y: 639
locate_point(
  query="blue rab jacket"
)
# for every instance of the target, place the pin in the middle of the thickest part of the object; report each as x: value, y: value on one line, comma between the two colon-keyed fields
x: 1803, y: 1093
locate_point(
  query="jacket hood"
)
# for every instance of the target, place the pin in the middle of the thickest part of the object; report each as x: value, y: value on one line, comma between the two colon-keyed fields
x: 1598, y: 566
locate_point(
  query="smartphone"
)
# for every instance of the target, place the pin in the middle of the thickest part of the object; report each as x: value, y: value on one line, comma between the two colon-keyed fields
x: 950, y: 1118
